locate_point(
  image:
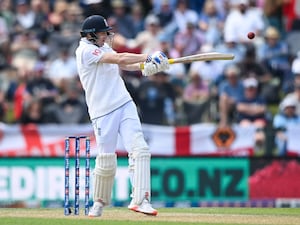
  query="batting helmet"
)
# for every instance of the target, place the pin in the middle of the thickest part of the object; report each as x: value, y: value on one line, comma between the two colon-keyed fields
x: 94, y: 24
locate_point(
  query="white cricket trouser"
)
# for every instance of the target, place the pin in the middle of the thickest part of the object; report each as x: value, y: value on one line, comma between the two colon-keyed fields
x: 123, y: 121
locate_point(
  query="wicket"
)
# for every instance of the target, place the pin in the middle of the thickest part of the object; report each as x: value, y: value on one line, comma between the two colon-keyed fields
x: 67, y: 209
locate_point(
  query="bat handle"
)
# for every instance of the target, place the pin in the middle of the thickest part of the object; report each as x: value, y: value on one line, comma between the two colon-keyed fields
x: 171, y: 61
x: 141, y: 66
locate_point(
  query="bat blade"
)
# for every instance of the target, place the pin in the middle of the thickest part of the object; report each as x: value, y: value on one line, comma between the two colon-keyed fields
x: 202, y: 57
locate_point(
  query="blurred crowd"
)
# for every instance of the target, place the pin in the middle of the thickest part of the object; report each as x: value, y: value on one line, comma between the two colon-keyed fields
x: 260, y: 87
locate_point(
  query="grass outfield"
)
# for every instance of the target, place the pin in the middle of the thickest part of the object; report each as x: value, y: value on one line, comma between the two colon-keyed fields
x: 168, y: 216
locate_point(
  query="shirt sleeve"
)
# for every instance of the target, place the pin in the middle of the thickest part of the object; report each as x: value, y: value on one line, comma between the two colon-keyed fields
x: 92, y: 55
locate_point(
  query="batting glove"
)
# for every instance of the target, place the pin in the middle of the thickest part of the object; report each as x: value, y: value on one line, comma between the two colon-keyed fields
x: 149, y: 68
x: 161, y: 60
x: 155, y: 63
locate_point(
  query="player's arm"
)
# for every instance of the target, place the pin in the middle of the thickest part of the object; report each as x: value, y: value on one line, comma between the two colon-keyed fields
x: 152, y: 64
x: 131, y: 67
x: 123, y: 59
x: 252, y: 109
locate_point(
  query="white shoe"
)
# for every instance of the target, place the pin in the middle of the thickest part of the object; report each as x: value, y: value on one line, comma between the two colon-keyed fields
x: 145, y: 207
x: 96, y: 210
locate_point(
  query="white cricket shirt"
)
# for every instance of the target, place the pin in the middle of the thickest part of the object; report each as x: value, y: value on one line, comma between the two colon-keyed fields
x: 104, y: 88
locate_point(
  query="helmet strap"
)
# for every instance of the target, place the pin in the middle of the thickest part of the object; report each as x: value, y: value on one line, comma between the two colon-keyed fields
x: 93, y: 38
x: 110, y: 38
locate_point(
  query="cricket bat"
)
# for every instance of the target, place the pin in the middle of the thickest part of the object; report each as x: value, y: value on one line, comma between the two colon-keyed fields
x: 209, y: 56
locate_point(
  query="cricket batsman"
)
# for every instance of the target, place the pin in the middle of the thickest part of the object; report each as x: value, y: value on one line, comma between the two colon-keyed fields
x: 112, y: 112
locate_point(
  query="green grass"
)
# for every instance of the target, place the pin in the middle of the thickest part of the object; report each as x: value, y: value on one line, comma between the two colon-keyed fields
x: 73, y: 221
x: 168, y: 216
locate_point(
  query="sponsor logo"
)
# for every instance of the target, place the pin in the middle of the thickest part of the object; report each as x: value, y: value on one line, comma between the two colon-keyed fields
x: 223, y: 137
x: 105, y: 22
x: 96, y: 52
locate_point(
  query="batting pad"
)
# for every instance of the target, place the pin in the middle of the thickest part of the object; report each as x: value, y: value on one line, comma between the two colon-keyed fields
x: 104, y: 174
x: 141, y: 176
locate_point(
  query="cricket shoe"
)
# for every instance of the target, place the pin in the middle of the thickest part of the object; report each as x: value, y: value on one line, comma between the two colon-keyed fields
x: 145, y: 207
x: 96, y: 210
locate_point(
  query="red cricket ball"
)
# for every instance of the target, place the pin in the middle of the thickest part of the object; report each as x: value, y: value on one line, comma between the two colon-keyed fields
x: 251, y: 35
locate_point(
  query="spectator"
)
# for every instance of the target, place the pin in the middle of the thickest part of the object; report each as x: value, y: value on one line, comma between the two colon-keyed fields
x: 32, y: 112
x: 25, y: 50
x: 296, y: 64
x: 255, y: 8
x: 39, y: 86
x: 56, y: 16
x: 230, y: 91
x: 70, y: 108
x: 71, y: 24
x: 44, y: 53
x: 252, y: 110
x: 251, y: 67
x: 124, y: 20
x: 183, y: 15
x: 291, y: 14
x: 8, y: 83
x: 196, y: 98
x: 41, y: 26
x: 62, y: 68
x: 285, y: 117
x: 157, y: 5
x: 176, y: 71
x: 275, y: 55
x: 5, y: 27
x: 273, y: 13
x: 223, y: 6
x: 210, y: 70
x: 241, y: 20
x: 8, y: 14
x: 196, y: 5
x: 67, y: 27
x: 231, y: 46
x: 25, y: 16
x: 177, y: 76
x: 156, y: 100
x: 4, y: 43
x: 211, y: 22
x: 3, y: 105
x: 251, y: 107
x: 165, y: 14
x: 147, y: 40
x: 20, y: 94
x: 189, y: 41
x: 292, y: 36
x: 138, y: 19
x: 295, y: 95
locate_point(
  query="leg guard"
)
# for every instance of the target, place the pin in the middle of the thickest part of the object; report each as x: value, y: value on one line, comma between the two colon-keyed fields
x: 104, y: 174
x: 139, y: 166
